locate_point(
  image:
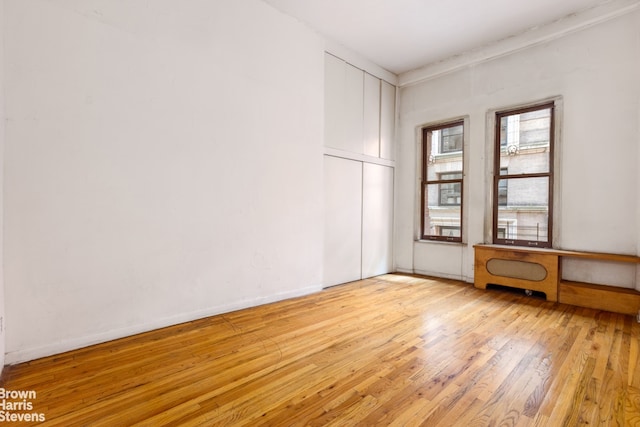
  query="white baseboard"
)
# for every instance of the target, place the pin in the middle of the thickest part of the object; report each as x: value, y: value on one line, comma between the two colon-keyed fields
x: 444, y: 275
x: 435, y: 274
x: 27, y: 354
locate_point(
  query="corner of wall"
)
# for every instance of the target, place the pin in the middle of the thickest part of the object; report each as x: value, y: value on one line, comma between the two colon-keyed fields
x: 2, y: 133
x: 638, y: 187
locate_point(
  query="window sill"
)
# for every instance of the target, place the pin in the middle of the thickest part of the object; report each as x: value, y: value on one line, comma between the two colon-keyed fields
x: 441, y: 242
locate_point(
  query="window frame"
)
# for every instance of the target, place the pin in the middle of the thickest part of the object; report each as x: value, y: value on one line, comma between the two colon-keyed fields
x: 497, y: 175
x: 425, y: 182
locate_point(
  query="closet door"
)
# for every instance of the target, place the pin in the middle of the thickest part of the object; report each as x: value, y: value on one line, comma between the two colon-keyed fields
x: 377, y: 220
x: 387, y: 120
x: 343, y: 220
x: 334, y: 105
x: 343, y: 105
x: 353, y: 107
x: 371, y: 116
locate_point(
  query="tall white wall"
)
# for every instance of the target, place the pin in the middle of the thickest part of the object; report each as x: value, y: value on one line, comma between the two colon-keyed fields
x: 2, y: 121
x: 164, y: 163
x: 595, y: 71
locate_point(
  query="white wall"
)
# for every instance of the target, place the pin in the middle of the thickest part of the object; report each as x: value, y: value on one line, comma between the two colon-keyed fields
x: 164, y: 163
x: 2, y: 120
x: 595, y: 71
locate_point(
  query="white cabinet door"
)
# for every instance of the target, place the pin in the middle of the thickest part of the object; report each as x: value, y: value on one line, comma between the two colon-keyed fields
x: 377, y: 220
x: 387, y: 120
x: 344, y: 104
x: 343, y: 220
x: 371, y: 115
x: 334, y: 86
x: 354, y: 105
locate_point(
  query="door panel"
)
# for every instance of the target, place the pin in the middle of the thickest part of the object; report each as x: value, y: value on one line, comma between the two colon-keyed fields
x: 343, y: 220
x: 377, y: 220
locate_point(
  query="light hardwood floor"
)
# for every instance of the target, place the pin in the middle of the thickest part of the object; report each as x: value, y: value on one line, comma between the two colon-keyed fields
x: 393, y: 350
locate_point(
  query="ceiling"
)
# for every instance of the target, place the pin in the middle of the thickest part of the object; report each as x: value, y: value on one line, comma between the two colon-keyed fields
x: 403, y: 35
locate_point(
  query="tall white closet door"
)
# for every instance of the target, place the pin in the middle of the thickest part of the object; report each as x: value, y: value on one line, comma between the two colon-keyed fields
x: 343, y: 220
x: 377, y: 220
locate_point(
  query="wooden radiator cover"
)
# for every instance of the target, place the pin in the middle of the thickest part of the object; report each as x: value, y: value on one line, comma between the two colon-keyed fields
x: 541, y: 270
x: 523, y: 270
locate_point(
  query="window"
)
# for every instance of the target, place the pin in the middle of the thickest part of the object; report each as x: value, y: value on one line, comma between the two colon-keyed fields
x: 523, y: 188
x: 441, y: 184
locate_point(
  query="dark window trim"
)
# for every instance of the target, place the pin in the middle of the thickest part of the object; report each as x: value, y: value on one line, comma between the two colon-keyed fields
x: 497, y: 177
x: 424, y: 182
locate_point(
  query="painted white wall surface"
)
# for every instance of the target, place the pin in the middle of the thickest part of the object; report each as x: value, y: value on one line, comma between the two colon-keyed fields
x: 595, y: 71
x: 2, y: 124
x: 164, y: 163
x: 638, y: 190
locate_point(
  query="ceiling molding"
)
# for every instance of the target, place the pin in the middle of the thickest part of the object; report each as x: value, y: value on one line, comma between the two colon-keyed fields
x: 534, y: 36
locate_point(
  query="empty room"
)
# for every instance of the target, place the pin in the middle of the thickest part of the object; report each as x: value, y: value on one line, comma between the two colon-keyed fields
x: 319, y: 212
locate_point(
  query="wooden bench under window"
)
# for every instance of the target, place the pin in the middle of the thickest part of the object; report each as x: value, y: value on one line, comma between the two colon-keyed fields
x: 540, y: 270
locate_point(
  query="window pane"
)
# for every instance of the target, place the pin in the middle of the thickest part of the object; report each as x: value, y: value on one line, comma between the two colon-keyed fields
x: 442, y: 219
x: 525, y: 140
x: 448, y: 231
x: 451, y: 139
x: 450, y: 194
x: 439, y: 163
x: 503, y: 190
x: 525, y: 213
x: 450, y: 175
x: 444, y: 167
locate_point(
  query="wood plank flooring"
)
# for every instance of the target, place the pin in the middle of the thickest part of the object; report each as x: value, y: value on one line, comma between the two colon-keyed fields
x: 393, y: 350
